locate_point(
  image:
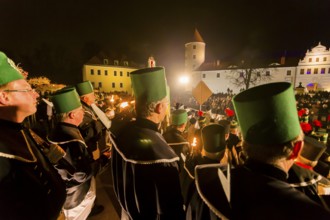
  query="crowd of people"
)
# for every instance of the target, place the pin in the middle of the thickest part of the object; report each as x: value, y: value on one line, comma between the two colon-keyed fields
x: 245, y: 156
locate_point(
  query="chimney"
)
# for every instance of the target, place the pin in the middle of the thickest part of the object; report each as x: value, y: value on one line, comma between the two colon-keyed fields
x: 282, y: 61
x: 218, y: 62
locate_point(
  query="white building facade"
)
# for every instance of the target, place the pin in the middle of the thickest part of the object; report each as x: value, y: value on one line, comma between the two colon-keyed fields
x: 313, y: 71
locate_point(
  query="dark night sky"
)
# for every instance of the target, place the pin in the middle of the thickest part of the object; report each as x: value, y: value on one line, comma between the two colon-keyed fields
x: 54, y: 38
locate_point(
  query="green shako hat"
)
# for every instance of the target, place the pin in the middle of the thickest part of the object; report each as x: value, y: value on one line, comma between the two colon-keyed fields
x: 8, y: 70
x: 84, y: 88
x: 323, y: 137
x: 233, y: 124
x: 313, y: 149
x: 305, y: 118
x: 213, y: 137
x: 179, y: 117
x: 267, y: 114
x: 66, y: 100
x: 149, y: 84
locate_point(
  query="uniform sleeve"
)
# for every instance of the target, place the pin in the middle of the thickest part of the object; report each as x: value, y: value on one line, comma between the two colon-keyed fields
x: 160, y: 194
x: 80, y: 160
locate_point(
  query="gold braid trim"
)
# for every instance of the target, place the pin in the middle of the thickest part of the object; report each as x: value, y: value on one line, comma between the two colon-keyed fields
x: 14, y: 157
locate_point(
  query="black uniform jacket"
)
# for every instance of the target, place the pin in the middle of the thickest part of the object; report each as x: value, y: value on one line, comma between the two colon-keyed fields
x: 145, y: 173
x: 30, y: 187
x: 307, y: 181
x: 91, y: 128
x: 258, y: 191
x: 176, y: 141
x: 77, y: 172
x: 196, y: 209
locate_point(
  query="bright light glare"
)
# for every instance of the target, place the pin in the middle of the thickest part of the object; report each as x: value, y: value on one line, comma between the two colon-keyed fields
x: 124, y: 104
x: 184, y: 79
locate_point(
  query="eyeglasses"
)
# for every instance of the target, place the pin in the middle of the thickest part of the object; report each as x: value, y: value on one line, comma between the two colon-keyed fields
x: 19, y: 90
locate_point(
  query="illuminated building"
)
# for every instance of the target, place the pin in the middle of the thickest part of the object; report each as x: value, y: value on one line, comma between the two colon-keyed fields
x: 313, y: 71
x: 109, y: 75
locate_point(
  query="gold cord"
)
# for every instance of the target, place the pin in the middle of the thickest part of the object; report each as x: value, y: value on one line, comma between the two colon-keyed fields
x: 10, y: 156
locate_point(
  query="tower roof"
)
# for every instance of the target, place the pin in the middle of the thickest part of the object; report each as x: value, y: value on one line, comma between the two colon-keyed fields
x: 197, y: 36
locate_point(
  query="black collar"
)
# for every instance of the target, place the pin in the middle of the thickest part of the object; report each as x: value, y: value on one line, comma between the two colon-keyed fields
x: 10, y: 124
x: 67, y: 124
x: 145, y: 123
x: 86, y: 105
x: 266, y: 169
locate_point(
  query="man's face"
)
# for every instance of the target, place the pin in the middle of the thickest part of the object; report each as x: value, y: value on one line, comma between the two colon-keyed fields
x: 21, y: 97
x: 89, y: 98
x: 79, y: 115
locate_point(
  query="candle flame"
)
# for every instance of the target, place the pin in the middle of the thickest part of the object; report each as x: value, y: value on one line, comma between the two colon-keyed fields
x: 194, y: 143
x: 124, y: 104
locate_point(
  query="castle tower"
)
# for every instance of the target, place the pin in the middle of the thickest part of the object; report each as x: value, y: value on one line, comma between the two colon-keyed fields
x: 194, y: 53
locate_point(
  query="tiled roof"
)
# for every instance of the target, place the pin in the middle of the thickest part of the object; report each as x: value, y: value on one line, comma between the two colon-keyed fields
x: 198, y: 37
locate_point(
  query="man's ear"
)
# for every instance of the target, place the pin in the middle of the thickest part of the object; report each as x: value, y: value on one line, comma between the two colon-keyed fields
x: 296, y: 149
x: 84, y: 98
x: 71, y: 115
x: 158, y: 108
x: 3, y: 98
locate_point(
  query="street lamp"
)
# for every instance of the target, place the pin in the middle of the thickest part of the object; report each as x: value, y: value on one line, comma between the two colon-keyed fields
x: 184, y: 80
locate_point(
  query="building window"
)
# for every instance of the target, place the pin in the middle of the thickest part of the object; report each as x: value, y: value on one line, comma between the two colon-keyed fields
x: 267, y: 73
x: 329, y: 70
x: 218, y: 75
x: 204, y: 75
x: 121, y: 73
x: 194, y: 47
x: 115, y: 73
x: 324, y: 59
x: 121, y: 85
x: 99, y: 72
x: 113, y: 85
x: 309, y: 71
x: 194, y: 56
x: 241, y: 74
x: 127, y: 74
x: 93, y: 84
x: 316, y: 70
x: 322, y: 70
x: 115, y: 62
x: 310, y: 60
x: 92, y: 72
x: 288, y: 72
x: 258, y: 74
x: 125, y: 63
x: 105, y: 61
x: 302, y: 71
x: 100, y: 84
x: 317, y: 59
x: 106, y: 72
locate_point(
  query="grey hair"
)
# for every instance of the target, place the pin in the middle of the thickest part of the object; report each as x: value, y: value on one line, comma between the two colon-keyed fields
x: 62, y: 116
x: 270, y: 153
x: 144, y: 110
